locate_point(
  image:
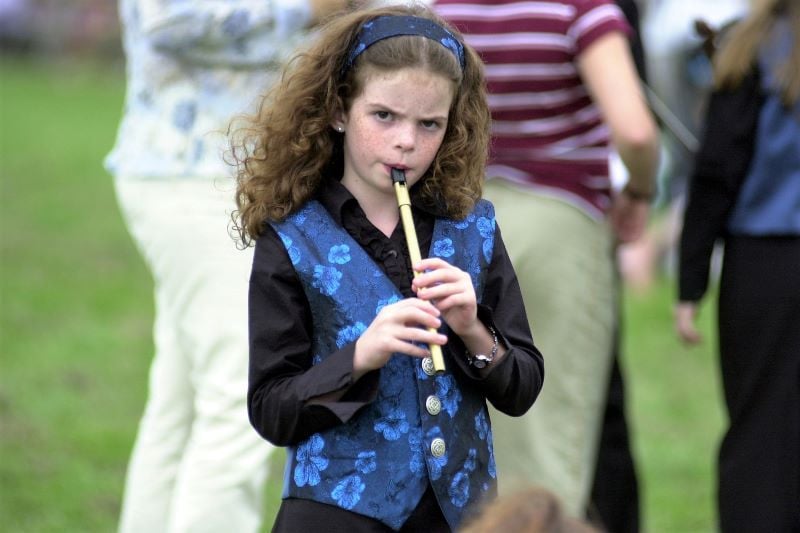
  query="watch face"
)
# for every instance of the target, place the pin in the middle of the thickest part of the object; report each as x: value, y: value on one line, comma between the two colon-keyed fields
x: 480, y: 361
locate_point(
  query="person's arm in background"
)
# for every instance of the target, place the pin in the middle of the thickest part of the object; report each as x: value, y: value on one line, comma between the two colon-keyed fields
x: 233, y: 33
x: 720, y: 169
x: 607, y: 69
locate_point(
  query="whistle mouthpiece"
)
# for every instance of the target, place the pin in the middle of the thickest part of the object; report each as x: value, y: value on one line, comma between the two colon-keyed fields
x: 398, y: 176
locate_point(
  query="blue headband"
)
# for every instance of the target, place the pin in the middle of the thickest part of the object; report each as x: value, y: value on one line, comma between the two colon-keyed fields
x: 393, y: 25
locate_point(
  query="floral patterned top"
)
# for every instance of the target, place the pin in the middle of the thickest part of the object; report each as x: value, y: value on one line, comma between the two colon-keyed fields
x: 193, y: 65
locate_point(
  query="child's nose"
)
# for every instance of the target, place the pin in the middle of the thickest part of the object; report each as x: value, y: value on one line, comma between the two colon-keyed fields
x: 406, y: 137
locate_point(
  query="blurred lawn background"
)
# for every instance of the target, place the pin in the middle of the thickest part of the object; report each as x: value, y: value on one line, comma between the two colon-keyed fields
x: 76, y: 312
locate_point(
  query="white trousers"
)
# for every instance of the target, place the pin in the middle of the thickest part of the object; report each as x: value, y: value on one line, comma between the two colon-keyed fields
x: 564, y: 263
x: 197, y: 464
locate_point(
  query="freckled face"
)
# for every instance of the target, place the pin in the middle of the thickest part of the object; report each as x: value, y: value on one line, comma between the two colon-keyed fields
x: 398, y: 120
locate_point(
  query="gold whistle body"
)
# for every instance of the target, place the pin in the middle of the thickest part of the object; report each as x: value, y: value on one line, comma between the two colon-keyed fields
x: 404, y: 203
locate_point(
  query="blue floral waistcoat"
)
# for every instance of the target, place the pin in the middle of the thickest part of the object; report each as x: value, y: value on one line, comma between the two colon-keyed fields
x: 380, y: 463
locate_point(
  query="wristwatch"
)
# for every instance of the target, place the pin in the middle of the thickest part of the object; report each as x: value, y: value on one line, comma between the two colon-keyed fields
x: 480, y: 360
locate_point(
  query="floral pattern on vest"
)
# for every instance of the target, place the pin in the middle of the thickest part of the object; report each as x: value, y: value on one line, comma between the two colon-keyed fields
x: 422, y: 429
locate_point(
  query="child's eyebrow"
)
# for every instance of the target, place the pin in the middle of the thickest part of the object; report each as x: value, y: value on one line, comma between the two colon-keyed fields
x: 379, y: 105
x: 386, y: 107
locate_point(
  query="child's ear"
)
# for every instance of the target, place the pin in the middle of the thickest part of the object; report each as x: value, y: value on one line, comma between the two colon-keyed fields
x: 338, y: 121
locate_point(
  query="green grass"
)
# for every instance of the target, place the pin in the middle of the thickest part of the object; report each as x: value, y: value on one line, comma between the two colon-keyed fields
x: 674, y: 403
x: 76, y: 314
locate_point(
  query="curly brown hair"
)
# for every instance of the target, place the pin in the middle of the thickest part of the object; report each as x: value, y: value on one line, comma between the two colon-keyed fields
x: 288, y: 147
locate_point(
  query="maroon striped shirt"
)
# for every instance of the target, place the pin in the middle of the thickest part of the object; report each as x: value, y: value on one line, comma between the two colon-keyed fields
x: 546, y: 131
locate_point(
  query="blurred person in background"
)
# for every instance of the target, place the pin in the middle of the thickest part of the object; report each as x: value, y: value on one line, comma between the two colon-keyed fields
x: 679, y: 75
x: 563, y: 88
x: 745, y: 190
x: 196, y: 465
x: 614, y: 502
x: 16, y: 26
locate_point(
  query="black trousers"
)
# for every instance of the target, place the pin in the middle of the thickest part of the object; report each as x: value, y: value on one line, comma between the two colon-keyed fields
x: 614, y: 501
x: 759, y: 333
x: 296, y: 515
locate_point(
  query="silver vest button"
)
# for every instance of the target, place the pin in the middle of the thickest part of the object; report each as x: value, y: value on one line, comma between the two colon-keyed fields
x: 427, y: 366
x: 437, y: 447
x: 433, y: 404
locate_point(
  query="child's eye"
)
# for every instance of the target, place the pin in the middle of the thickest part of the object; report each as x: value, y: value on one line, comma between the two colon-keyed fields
x: 430, y: 124
x: 383, y: 115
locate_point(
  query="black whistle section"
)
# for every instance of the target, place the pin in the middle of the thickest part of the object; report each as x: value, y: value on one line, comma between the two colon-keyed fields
x: 398, y: 176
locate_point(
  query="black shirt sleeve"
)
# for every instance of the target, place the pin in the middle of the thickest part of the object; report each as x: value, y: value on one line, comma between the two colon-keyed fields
x: 721, y: 166
x: 284, y: 387
x: 512, y: 384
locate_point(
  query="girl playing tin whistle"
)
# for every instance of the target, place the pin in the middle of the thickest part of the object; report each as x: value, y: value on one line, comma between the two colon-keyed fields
x: 340, y: 370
